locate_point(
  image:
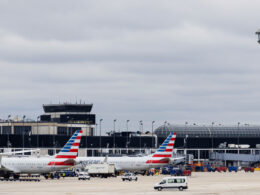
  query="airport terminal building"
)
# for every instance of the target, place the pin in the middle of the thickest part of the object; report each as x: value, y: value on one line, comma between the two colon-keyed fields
x: 58, y: 119
x: 225, y: 144
x: 53, y: 129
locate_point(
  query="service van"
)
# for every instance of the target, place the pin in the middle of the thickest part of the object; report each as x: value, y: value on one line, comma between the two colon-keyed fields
x: 172, y: 182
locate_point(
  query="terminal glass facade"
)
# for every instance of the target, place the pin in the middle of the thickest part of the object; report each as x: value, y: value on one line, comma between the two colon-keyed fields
x: 209, y: 131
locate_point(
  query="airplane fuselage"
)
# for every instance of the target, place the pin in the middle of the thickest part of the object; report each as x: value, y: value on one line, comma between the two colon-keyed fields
x: 126, y: 162
x: 33, y: 164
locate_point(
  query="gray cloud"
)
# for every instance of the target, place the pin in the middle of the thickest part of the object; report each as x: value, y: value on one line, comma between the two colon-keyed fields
x: 195, y: 61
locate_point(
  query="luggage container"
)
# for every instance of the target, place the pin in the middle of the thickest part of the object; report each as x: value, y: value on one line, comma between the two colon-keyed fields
x: 232, y: 168
x: 221, y: 169
x: 249, y: 169
x: 186, y: 173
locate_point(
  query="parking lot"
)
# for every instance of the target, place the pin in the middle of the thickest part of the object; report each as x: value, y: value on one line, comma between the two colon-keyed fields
x: 199, y: 183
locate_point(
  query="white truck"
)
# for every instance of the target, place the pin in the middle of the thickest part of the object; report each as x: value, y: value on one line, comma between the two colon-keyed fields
x: 101, y: 170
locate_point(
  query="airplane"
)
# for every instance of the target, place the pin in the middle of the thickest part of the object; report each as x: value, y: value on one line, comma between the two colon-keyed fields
x: 15, y: 165
x: 163, y: 156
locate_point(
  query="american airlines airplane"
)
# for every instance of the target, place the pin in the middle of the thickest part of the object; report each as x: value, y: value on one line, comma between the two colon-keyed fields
x: 161, y: 157
x: 63, y: 160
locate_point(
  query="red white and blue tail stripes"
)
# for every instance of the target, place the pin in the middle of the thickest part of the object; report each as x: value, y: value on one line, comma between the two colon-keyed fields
x: 70, y: 150
x: 166, y: 148
x: 164, y: 152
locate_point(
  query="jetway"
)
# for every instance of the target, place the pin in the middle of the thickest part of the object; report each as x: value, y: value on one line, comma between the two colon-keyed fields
x: 241, y: 158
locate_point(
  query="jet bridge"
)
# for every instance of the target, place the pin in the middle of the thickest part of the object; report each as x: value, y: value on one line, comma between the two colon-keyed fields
x: 250, y: 158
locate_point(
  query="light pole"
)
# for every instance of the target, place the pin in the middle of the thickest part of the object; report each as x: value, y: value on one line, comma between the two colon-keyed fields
x: 23, y: 130
x: 100, y: 134
x: 165, y: 122
x: 186, y: 136
x: 68, y: 125
x: 127, y: 135
x: 114, y: 136
x: 9, y: 116
x: 92, y: 152
x: 96, y: 130
x: 152, y: 133
x: 212, y: 135
x: 38, y: 117
x: 238, y: 134
x: 140, y: 128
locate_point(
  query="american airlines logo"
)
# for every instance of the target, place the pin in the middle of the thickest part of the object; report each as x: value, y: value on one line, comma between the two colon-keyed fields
x: 89, y: 162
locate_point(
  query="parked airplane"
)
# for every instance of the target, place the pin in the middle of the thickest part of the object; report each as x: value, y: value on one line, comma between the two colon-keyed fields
x: 161, y: 157
x: 21, y: 164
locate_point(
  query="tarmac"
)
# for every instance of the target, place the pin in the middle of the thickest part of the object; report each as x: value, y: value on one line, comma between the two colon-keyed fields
x: 199, y: 183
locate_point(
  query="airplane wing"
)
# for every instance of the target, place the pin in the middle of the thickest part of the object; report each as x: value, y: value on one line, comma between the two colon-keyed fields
x: 177, y: 160
x: 172, y: 160
x: 70, y: 161
x: 166, y: 159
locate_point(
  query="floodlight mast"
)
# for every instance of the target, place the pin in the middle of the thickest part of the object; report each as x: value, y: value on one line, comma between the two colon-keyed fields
x: 258, y: 34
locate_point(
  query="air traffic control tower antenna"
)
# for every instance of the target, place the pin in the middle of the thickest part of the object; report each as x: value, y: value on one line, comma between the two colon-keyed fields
x: 258, y: 34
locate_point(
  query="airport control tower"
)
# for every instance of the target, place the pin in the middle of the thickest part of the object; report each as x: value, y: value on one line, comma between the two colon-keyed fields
x: 68, y: 113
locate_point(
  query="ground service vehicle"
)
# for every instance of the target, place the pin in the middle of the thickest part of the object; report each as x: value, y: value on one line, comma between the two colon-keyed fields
x: 211, y: 169
x: 220, y: 169
x: 176, y: 172
x: 83, y: 176
x: 172, y: 182
x: 55, y: 175
x: 232, y: 168
x: 129, y: 177
x: 186, y: 173
x: 101, y: 170
x: 249, y: 169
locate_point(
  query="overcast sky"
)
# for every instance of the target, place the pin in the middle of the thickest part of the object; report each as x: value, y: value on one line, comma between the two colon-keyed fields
x: 194, y: 61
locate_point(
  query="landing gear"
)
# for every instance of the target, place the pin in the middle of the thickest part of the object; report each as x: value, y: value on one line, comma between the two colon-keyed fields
x: 6, y: 176
x: 16, y: 176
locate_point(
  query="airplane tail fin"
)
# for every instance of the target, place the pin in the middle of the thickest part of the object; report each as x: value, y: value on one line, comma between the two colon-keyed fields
x: 166, y: 149
x: 70, y: 150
